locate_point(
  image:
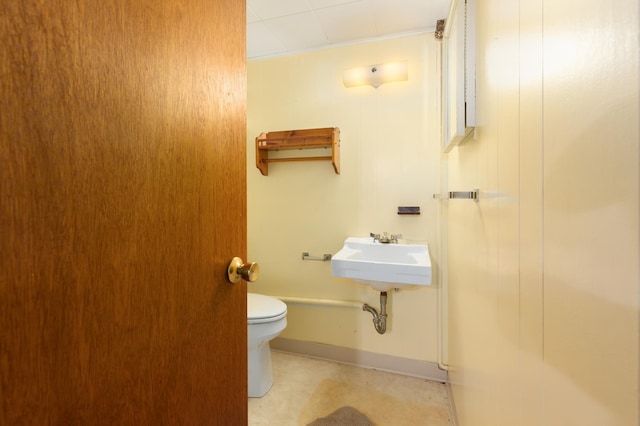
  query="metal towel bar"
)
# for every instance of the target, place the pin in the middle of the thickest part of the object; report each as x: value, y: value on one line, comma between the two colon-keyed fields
x: 460, y: 195
x: 324, y: 258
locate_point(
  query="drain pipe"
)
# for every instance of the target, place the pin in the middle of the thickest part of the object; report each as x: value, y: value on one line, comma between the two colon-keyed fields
x: 379, y: 320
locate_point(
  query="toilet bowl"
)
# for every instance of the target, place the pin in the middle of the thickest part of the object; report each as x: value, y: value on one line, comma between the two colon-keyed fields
x: 266, y: 318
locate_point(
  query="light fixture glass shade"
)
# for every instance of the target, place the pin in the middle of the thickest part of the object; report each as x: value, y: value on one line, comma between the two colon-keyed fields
x: 375, y: 75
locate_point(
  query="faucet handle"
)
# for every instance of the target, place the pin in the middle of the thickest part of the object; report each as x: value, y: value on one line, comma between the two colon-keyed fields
x: 394, y: 237
x: 376, y: 237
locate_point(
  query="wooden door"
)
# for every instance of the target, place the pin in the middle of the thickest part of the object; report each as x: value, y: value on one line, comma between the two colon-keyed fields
x: 122, y: 200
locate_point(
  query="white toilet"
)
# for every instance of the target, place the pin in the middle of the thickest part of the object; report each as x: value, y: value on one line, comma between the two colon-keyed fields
x: 266, y: 318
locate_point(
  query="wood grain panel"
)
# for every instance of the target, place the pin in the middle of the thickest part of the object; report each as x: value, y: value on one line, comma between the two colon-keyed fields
x: 122, y: 138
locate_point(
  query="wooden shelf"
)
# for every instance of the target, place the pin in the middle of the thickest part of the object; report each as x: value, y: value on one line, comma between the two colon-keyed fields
x: 328, y: 138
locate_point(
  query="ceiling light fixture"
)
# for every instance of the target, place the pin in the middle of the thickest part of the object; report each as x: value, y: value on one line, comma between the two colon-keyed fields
x: 375, y: 75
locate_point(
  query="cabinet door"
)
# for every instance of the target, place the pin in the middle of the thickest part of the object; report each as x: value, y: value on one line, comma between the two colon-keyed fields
x: 458, y: 74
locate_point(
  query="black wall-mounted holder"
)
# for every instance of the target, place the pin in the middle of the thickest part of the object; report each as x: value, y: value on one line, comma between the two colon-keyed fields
x: 409, y: 210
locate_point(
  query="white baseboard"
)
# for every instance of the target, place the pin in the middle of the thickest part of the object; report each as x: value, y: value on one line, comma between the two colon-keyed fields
x: 406, y: 366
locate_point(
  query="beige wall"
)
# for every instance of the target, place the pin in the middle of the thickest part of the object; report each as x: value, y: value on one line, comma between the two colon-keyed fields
x: 543, y: 271
x: 389, y: 158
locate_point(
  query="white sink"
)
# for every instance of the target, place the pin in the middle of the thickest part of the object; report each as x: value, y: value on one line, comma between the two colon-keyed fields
x: 382, y: 266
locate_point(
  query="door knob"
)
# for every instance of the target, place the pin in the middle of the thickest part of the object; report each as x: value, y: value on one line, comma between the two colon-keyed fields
x: 238, y: 270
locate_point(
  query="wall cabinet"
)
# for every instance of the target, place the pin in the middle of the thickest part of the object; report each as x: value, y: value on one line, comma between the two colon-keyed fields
x: 458, y: 74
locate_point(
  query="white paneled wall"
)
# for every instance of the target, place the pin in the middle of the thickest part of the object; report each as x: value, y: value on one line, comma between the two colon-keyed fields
x: 389, y: 158
x: 543, y: 271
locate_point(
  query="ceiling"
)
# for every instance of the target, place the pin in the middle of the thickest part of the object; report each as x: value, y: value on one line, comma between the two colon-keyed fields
x: 282, y: 27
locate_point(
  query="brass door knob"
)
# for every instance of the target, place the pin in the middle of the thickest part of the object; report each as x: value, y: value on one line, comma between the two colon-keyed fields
x: 238, y: 270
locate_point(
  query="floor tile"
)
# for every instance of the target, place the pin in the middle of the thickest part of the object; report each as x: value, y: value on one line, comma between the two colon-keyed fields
x: 305, y: 389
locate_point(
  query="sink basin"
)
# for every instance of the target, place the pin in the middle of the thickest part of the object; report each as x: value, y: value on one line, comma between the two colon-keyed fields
x: 382, y: 266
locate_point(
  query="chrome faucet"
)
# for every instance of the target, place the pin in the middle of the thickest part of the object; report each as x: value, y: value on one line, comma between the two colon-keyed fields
x: 384, y: 239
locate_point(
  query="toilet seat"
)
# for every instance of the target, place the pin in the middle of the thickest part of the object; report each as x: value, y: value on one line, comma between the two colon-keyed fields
x: 261, y: 309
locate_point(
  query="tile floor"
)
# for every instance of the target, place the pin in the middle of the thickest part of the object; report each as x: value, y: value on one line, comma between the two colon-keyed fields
x: 305, y: 389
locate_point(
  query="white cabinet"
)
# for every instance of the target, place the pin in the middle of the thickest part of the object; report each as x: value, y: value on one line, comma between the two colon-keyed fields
x: 458, y: 74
